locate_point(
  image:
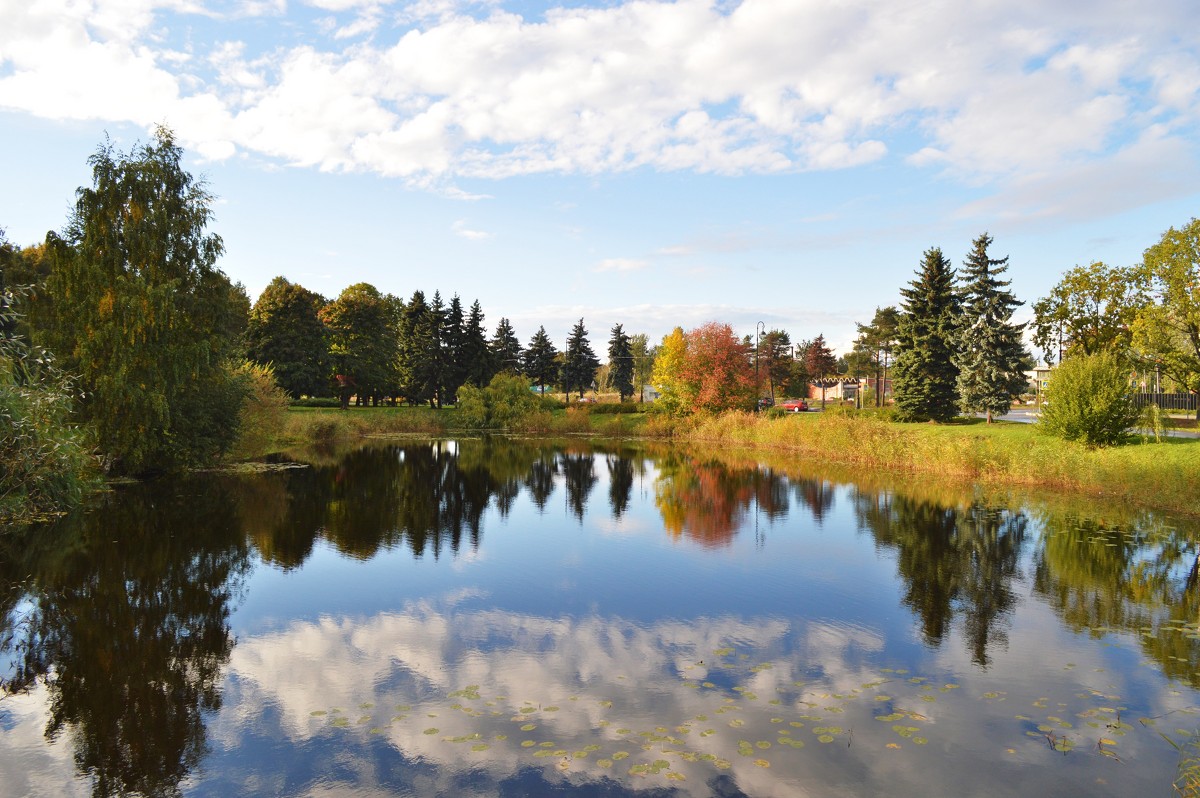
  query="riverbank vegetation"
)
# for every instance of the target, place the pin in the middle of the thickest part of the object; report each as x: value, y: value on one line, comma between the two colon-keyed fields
x: 1164, y: 474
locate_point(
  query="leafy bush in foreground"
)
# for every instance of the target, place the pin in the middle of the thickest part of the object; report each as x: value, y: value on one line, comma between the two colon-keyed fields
x: 1088, y: 401
x: 504, y: 403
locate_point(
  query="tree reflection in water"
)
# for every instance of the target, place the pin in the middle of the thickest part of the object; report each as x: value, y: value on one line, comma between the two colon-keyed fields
x: 128, y: 628
x: 1138, y: 574
x: 123, y: 613
x: 954, y: 562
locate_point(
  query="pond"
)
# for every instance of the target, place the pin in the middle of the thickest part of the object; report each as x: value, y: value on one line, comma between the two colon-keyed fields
x: 497, y: 617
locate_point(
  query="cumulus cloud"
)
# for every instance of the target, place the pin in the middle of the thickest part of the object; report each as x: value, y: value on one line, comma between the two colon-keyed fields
x: 445, y: 89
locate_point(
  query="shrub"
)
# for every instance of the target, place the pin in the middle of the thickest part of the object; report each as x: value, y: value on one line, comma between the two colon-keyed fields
x: 1088, y: 401
x: 505, y: 403
x: 264, y: 410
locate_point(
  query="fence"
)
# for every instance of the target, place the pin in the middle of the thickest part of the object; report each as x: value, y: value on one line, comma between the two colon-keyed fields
x: 1167, y: 401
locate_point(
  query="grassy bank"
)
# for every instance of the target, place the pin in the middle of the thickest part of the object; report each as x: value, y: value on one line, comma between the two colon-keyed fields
x: 1164, y: 475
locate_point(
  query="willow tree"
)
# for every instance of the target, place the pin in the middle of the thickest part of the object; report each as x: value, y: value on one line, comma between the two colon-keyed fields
x: 143, y: 315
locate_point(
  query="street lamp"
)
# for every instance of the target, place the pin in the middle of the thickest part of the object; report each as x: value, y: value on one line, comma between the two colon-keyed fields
x: 758, y: 330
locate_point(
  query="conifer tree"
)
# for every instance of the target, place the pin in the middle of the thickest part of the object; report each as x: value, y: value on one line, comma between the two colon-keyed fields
x: 580, y: 363
x: 925, y: 377
x: 435, y: 348
x: 541, y: 360
x: 475, y: 355
x: 506, y: 352
x: 415, y: 367
x: 453, y: 344
x: 990, y: 355
x: 620, y: 362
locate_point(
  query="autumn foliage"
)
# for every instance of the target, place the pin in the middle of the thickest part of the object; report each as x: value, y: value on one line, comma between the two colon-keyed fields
x: 707, y: 369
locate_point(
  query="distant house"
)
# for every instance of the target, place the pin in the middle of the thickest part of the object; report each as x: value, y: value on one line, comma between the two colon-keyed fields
x: 650, y: 393
x: 834, y: 388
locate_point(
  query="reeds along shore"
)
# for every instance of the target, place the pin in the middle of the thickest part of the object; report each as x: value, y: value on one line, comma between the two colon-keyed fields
x: 1163, y: 474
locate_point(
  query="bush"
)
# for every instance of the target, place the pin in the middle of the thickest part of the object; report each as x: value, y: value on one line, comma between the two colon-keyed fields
x: 44, y: 464
x: 505, y: 403
x: 263, y: 415
x: 1088, y: 401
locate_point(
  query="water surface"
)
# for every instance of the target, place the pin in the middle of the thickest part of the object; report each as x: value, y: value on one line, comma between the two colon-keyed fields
x: 488, y: 617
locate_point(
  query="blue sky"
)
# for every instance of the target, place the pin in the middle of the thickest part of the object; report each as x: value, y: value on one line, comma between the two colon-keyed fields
x: 649, y: 163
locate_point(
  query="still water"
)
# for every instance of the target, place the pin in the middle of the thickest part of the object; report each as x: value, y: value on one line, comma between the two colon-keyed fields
x: 490, y: 617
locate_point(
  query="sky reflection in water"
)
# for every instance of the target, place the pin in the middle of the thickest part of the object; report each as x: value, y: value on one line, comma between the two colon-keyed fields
x: 494, y: 618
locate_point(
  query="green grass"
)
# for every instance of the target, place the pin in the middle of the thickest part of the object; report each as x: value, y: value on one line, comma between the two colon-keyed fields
x: 1164, y: 475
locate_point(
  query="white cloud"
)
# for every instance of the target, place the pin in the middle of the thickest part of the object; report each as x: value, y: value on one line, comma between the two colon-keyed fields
x: 469, y: 89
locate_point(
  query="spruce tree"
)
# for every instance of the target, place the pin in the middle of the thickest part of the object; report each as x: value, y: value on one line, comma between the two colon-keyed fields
x: 475, y: 354
x: 579, y: 367
x: 990, y: 355
x: 454, y: 372
x: 416, y: 369
x: 925, y: 383
x: 620, y: 362
x: 506, y: 352
x: 541, y: 364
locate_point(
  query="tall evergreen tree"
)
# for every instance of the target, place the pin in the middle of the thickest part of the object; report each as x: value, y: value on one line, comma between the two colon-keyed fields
x: 926, y: 379
x: 990, y: 355
x: 580, y: 362
x: 506, y: 352
x: 285, y: 331
x: 143, y: 315
x: 435, y: 348
x: 453, y: 345
x: 541, y: 360
x: 620, y: 362
x: 417, y: 381
x: 475, y: 355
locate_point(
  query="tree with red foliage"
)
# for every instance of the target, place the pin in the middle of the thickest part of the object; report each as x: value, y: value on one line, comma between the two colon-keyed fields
x: 717, y: 370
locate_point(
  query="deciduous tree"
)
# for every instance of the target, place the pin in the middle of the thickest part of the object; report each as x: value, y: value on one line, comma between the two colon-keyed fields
x: 142, y: 313
x: 1090, y: 310
x: 285, y: 331
x: 1169, y: 329
x: 362, y: 340
x: 719, y: 369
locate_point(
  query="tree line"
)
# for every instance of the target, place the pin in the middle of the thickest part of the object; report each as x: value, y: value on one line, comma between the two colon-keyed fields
x: 154, y: 346
x: 951, y: 346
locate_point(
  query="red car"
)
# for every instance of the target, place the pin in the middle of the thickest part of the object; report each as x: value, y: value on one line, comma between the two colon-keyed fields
x: 793, y: 405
